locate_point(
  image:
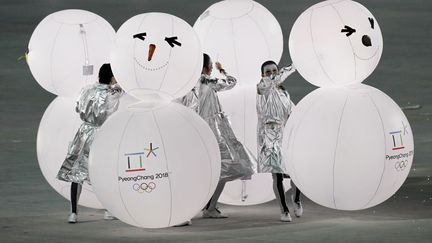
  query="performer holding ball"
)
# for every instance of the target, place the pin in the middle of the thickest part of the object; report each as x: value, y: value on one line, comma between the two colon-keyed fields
x: 273, y: 108
x: 95, y: 103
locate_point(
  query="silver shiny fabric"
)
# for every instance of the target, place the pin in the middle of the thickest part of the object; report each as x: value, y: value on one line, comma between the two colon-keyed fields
x: 273, y: 108
x: 236, y: 161
x: 96, y: 102
x: 190, y: 99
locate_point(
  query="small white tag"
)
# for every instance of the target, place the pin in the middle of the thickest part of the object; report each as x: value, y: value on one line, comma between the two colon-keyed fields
x: 87, y: 70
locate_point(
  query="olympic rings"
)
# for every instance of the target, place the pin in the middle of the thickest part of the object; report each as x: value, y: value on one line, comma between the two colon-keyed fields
x: 144, y: 187
x: 401, y: 165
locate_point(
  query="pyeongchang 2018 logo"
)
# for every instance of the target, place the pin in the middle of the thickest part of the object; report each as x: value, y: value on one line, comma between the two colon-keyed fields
x: 135, y: 162
x: 402, y: 159
x: 135, y: 159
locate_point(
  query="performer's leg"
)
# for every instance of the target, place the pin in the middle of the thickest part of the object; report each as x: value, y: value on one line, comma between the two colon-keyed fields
x: 210, y: 210
x: 75, y: 194
x: 279, y: 191
x: 295, y: 197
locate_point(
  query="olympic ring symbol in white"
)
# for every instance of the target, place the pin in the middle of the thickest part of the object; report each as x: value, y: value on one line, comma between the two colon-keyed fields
x: 144, y: 187
x: 401, y: 165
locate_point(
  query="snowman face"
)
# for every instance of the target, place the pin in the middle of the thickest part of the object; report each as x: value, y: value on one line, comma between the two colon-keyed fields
x: 336, y: 43
x: 361, y: 29
x: 148, y: 55
x: 156, y: 54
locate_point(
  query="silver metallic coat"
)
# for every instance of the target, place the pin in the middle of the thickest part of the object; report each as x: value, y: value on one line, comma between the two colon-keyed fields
x: 96, y: 102
x: 190, y: 99
x: 273, y: 108
x: 236, y: 161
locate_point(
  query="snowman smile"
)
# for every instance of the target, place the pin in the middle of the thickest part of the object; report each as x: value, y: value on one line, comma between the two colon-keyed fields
x: 150, y: 68
x: 370, y: 57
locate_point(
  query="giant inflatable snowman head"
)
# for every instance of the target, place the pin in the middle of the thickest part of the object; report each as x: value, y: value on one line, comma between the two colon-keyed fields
x: 336, y: 43
x: 156, y: 54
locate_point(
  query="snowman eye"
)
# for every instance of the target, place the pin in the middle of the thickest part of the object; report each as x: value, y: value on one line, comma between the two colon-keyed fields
x: 172, y: 41
x: 371, y: 21
x: 140, y: 36
x: 349, y: 31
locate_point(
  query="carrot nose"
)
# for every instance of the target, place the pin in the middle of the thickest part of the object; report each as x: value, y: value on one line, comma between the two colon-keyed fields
x: 152, y: 48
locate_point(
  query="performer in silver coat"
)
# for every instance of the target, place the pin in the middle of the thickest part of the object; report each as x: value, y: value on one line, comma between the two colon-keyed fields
x: 236, y: 162
x: 190, y: 99
x: 95, y: 103
x: 274, y: 107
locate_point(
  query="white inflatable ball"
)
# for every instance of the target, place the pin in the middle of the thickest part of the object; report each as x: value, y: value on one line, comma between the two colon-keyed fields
x: 56, y: 131
x: 241, y: 34
x: 336, y: 43
x: 154, y: 168
x: 239, y: 104
x: 156, y: 56
x: 67, y: 49
x: 348, y: 148
x: 255, y: 191
x: 127, y: 101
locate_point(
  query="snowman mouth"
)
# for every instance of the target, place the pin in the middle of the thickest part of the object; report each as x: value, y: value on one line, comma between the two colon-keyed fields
x: 150, y: 68
x: 370, y: 57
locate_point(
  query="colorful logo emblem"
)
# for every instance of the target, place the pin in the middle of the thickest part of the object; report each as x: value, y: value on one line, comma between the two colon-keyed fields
x: 397, y: 137
x: 151, y: 150
x: 135, y: 160
x: 130, y: 158
x: 397, y: 140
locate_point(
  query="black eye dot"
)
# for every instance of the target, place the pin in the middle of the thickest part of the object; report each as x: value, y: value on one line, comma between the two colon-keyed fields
x: 371, y: 21
x: 140, y: 36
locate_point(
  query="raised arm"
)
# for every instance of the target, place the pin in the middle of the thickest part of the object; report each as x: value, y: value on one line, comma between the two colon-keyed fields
x: 116, y: 91
x: 226, y: 83
x: 284, y: 73
x: 113, y: 98
x: 264, y: 84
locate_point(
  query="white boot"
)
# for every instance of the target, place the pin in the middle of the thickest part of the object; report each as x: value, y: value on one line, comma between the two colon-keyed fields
x: 214, y: 214
x: 73, y: 218
x: 286, y: 217
x: 186, y: 223
x: 108, y: 216
x: 298, y: 207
